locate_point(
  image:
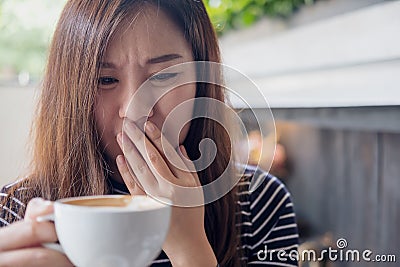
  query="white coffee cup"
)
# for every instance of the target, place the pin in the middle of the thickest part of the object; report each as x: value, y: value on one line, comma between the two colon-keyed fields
x: 110, y: 230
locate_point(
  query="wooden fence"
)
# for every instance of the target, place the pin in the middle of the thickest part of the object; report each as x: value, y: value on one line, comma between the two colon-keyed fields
x: 345, y: 174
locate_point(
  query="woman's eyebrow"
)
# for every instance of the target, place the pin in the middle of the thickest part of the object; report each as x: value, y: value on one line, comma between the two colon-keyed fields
x: 107, y: 65
x: 160, y: 59
x: 163, y: 58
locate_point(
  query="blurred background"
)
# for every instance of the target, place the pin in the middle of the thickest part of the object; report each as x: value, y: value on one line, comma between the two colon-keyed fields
x: 330, y: 70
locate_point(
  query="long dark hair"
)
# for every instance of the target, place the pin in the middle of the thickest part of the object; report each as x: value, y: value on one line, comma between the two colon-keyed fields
x: 67, y: 160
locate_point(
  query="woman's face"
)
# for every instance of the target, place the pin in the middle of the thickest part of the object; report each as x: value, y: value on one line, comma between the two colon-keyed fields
x: 139, y: 49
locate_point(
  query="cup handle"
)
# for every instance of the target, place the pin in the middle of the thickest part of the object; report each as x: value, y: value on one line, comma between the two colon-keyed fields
x: 53, y: 246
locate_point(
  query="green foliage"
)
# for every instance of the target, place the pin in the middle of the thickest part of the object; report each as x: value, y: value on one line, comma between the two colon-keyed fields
x: 23, y: 52
x: 25, y: 32
x: 234, y: 14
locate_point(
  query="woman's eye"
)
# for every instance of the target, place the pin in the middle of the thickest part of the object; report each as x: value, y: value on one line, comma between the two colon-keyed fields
x: 162, y: 77
x: 107, y: 80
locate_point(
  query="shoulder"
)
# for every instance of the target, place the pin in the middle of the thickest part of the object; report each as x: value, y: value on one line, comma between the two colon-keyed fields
x: 261, y: 188
x: 12, y: 207
x: 267, y: 214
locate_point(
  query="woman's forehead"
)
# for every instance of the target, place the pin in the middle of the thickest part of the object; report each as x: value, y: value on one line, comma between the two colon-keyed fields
x: 147, y: 34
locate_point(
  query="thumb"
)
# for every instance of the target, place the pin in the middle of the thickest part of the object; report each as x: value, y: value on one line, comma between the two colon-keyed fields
x: 38, y: 207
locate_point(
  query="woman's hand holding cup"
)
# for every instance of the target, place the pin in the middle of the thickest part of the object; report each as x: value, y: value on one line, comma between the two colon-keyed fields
x: 20, y: 242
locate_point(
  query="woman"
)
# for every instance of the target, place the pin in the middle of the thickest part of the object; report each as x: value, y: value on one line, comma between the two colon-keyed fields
x: 101, y: 52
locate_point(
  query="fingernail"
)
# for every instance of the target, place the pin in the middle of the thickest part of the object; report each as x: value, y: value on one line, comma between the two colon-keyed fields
x: 149, y: 126
x: 36, y: 201
x: 40, y: 203
x: 47, y: 203
x: 119, y: 138
x: 182, y: 148
x: 120, y: 160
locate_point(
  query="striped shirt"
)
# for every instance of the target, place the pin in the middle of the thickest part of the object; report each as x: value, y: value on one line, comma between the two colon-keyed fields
x: 268, y: 229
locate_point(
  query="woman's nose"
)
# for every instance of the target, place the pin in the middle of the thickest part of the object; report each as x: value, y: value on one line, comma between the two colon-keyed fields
x: 137, y: 104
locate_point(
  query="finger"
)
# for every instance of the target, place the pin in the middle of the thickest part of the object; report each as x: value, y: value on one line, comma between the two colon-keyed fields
x: 129, y: 177
x: 149, y: 153
x: 24, y: 234
x: 138, y: 165
x: 173, y: 159
x: 190, y: 164
x: 32, y: 257
x: 125, y: 174
x: 38, y: 207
